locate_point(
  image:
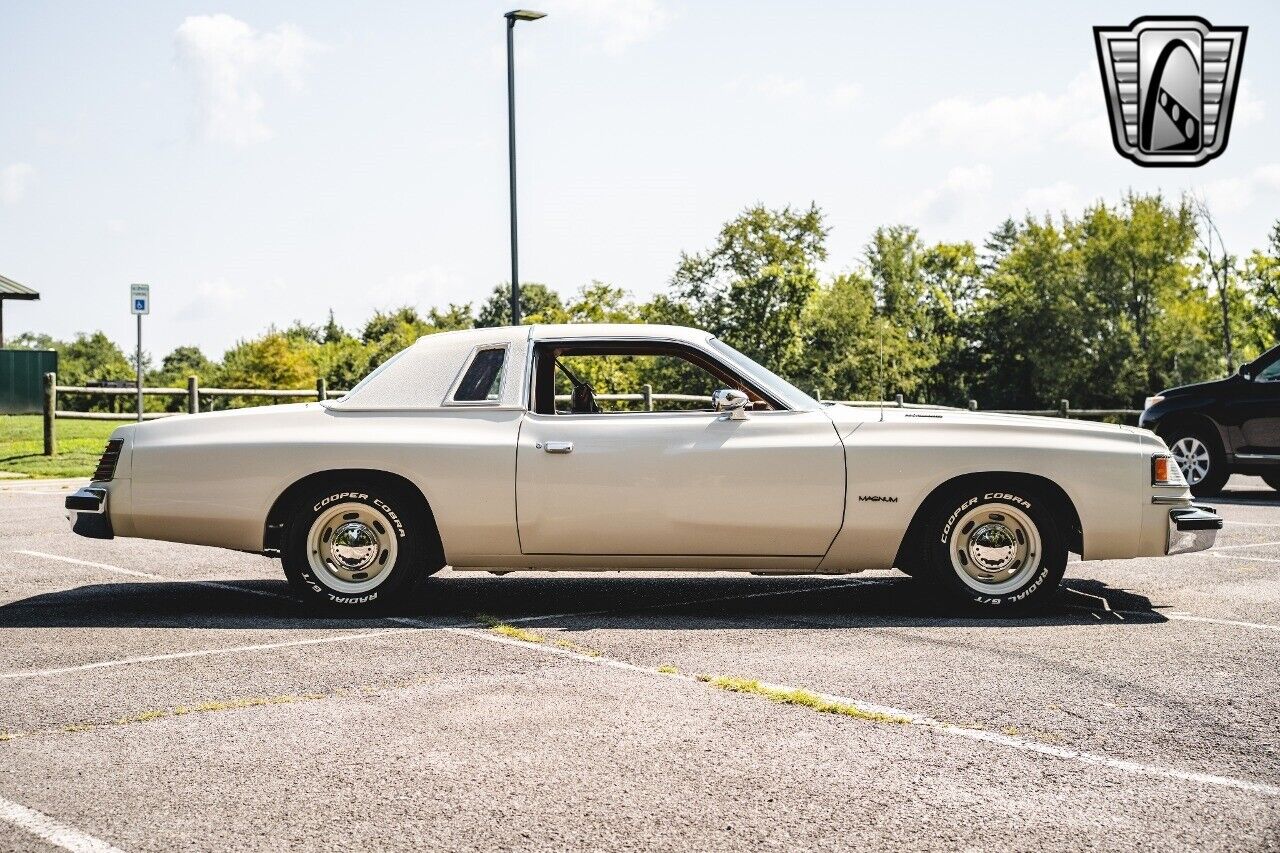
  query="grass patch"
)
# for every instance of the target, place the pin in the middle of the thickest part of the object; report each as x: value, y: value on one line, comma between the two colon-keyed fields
x: 80, y: 443
x: 524, y: 635
x: 667, y: 669
x: 794, y: 696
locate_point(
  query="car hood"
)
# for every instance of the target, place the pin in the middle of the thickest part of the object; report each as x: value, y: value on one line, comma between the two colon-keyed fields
x: 1198, y: 387
x: 848, y: 418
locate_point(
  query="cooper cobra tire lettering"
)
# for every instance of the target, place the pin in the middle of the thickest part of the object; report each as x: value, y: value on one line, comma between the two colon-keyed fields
x: 394, y: 509
x: 935, y: 554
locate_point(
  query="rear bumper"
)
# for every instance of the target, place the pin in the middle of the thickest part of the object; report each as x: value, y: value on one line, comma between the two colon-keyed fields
x: 1193, y: 528
x: 87, y: 512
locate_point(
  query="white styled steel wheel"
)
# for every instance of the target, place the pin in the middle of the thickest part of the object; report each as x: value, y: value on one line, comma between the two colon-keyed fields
x: 1193, y: 458
x: 997, y: 546
x: 352, y: 547
x: 995, y: 549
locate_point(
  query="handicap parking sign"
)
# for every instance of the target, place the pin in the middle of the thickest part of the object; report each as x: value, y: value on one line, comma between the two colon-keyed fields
x: 140, y: 298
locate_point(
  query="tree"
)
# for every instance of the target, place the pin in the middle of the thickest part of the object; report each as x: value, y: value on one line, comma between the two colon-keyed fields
x: 1221, y: 268
x: 842, y: 341
x: 536, y: 301
x: 751, y: 287
x: 274, y: 360
x: 1261, y: 276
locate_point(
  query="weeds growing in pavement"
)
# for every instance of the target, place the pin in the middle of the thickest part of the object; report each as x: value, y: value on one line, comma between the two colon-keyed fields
x: 794, y: 696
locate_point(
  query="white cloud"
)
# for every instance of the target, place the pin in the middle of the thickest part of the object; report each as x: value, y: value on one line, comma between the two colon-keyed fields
x: 963, y: 191
x: 1052, y: 199
x: 845, y: 94
x: 212, y: 298
x: 1249, y: 108
x: 432, y: 286
x: 777, y: 87
x: 998, y: 124
x: 229, y: 61
x: 614, y: 25
x: 14, y: 180
x: 1232, y: 195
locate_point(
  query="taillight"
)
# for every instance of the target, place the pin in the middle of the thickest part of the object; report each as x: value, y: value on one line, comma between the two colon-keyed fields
x: 107, y: 464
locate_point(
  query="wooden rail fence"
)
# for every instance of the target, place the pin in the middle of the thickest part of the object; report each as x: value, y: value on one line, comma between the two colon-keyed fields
x: 193, y: 392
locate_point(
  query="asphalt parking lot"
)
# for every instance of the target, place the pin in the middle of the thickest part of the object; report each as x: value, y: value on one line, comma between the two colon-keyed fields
x: 160, y: 697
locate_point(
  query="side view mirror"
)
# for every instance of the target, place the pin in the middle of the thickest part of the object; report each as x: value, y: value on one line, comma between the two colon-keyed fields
x: 1246, y: 371
x: 731, y: 400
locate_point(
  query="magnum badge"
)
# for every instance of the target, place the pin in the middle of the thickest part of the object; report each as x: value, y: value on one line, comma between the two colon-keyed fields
x: 1171, y: 86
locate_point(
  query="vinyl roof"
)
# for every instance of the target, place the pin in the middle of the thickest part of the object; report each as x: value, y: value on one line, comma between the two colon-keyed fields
x: 10, y: 289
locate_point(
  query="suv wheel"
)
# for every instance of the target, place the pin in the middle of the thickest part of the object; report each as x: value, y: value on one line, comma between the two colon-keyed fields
x: 1201, y: 461
x: 994, y: 548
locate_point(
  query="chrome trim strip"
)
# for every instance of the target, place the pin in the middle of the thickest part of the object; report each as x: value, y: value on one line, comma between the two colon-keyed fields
x: 1171, y: 500
x: 1275, y: 457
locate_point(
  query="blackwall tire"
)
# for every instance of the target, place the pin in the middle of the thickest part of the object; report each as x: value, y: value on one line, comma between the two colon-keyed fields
x: 994, y: 549
x: 1272, y: 480
x: 1201, y: 459
x: 356, y: 547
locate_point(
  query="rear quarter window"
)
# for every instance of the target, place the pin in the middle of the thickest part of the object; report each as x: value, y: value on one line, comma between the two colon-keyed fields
x: 482, y: 381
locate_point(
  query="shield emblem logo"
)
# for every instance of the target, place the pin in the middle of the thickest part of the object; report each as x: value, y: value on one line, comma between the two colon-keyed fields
x: 1171, y: 86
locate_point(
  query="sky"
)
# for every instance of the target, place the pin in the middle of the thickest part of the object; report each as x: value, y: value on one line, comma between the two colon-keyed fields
x: 259, y: 163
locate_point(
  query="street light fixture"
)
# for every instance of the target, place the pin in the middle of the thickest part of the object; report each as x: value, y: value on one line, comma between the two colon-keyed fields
x: 512, y: 17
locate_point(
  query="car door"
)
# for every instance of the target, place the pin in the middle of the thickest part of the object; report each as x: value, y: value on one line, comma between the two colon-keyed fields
x: 679, y: 482
x: 1258, y: 410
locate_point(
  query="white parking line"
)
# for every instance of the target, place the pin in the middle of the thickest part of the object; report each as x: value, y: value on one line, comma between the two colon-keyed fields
x: 50, y: 831
x: 120, y: 570
x: 202, y: 653
x: 1245, y: 557
x: 1000, y: 739
x: 1251, y: 524
x: 1188, y: 617
x: 1252, y: 545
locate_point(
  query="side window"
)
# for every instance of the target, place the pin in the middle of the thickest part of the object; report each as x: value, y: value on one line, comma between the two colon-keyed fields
x: 605, y: 377
x: 1270, y: 373
x: 619, y: 383
x: 482, y: 383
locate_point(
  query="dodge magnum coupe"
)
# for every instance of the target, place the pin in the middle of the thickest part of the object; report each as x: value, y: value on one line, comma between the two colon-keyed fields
x: 636, y: 447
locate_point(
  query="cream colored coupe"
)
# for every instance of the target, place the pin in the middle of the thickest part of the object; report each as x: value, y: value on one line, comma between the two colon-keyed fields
x: 636, y: 447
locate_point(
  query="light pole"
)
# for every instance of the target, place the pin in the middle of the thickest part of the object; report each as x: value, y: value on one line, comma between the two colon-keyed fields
x: 512, y: 17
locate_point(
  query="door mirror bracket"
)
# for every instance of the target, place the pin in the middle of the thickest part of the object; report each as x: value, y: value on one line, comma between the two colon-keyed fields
x: 731, y: 400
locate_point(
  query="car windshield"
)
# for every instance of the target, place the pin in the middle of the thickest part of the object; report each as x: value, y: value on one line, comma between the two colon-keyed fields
x: 791, y: 396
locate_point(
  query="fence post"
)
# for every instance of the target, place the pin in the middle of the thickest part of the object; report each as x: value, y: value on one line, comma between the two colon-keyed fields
x: 1063, y: 406
x: 646, y: 391
x: 193, y: 395
x: 897, y: 400
x: 973, y: 405
x: 50, y: 409
x: 322, y: 389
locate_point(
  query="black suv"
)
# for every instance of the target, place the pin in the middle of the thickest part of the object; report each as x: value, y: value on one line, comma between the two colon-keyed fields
x: 1230, y: 426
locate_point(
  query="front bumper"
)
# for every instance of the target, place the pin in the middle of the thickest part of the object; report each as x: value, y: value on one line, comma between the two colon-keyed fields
x: 87, y: 512
x: 1193, y: 528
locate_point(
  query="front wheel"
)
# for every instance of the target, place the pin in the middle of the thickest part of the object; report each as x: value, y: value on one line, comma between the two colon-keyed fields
x: 1202, y: 463
x: 355, y: 546
x: 997, y: 549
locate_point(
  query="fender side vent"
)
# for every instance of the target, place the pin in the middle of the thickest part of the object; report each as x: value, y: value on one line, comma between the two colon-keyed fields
x: 107, y: 464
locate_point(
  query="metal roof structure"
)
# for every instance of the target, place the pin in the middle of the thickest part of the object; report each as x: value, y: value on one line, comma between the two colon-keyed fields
x: 10, y: 289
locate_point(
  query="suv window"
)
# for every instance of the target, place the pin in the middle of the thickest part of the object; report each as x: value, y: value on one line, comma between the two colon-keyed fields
x: 1270, y: 373
x: 483, y: 380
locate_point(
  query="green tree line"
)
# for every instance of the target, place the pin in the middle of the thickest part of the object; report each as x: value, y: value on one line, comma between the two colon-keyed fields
x: 1100, y: 308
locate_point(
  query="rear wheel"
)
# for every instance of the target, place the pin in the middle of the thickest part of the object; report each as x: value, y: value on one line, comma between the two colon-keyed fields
x: 1200, y: 459
x: 356, y: 546
x: 994, y: 548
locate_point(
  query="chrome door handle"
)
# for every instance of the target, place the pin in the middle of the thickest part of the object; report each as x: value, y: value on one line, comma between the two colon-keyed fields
x: 558, y: 447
